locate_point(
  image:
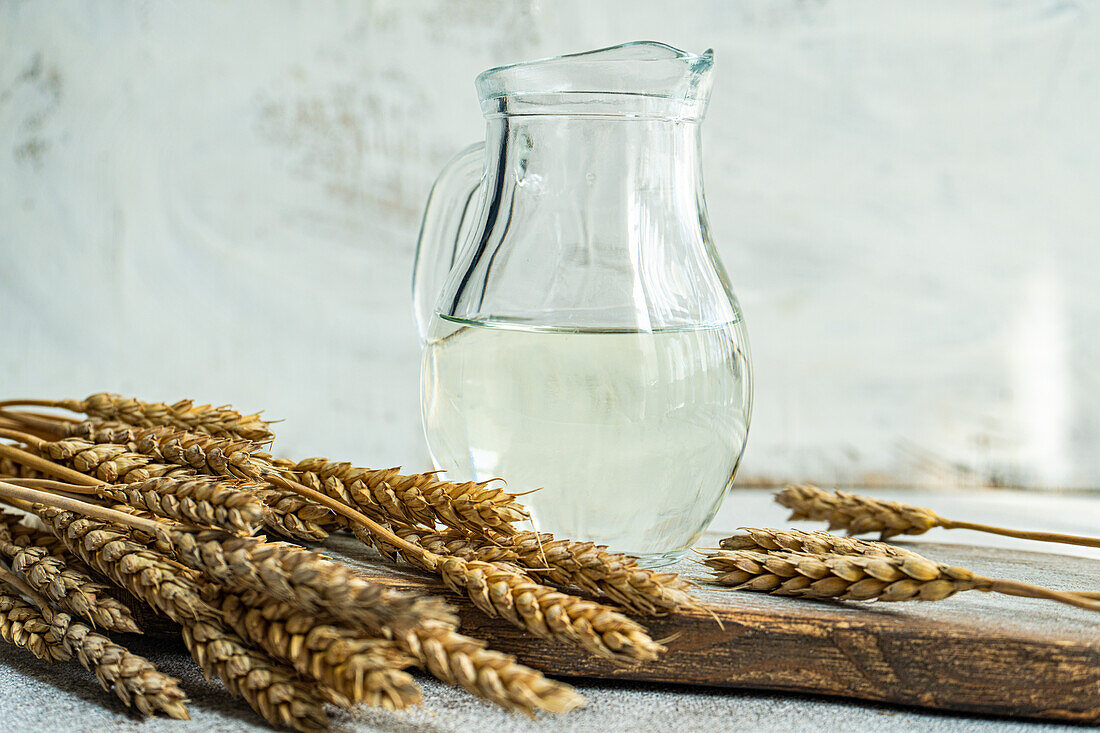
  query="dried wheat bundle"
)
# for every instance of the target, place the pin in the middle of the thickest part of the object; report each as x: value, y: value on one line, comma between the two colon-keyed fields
x: 864, y: 577
x: 23, y: 626
x: 361, y: 667
x: 327, y: 632
x: 219, y: 421
x: 71, y: 588
x: 861, y: 514
x: 814, y: 543
x: 276, y: 692
x: 134, y: 679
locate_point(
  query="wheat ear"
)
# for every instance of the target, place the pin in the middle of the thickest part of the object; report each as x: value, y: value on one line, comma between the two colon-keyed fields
x: 23, y: 626
x: 467, y: 663
x: 79, y: 460
x: 549, y: 613
x: 305, y: 579
x: 363, y: 668
x: 273, y: 691
x: 864, y: 577
x: 70, y: 588
x: 229, y: 505
x: 134, y: 679
x: 218, y: 421
x: 420, y: 498
x: 861, y: 514
x: 813, y: 543
x: 598, y: 571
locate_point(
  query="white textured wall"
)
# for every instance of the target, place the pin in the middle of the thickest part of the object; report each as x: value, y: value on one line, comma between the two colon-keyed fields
x: 221, y: 200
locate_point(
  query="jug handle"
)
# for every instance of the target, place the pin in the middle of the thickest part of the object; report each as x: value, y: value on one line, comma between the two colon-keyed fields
x: 452, y: 207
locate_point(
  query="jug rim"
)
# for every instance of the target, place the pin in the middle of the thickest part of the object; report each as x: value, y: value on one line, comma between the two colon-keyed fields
x: 660, y: 71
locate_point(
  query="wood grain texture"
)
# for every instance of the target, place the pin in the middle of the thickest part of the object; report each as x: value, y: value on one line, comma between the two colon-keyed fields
x: 975, y: 652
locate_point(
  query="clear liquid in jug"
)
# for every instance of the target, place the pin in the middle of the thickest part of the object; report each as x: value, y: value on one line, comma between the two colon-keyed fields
x: 632, y: 438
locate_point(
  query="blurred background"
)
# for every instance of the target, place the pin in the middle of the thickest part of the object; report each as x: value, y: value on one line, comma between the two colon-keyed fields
x: 220, y: 200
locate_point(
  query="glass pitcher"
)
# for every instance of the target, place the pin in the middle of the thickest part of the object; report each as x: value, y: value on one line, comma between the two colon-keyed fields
x: 581, y: 335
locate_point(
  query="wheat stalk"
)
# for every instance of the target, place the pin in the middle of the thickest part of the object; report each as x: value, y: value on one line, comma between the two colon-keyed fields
x: 220, y: 421
x: 861, y: 514
x: 361, y: 667
x: 12, y: 469
x: 864, y: 577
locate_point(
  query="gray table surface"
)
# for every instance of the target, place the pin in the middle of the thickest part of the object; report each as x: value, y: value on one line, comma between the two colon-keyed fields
x: 35, y: 696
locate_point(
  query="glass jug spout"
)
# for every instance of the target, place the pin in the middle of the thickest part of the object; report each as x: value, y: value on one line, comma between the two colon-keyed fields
x: 547, y: 121
x: 642, y: 79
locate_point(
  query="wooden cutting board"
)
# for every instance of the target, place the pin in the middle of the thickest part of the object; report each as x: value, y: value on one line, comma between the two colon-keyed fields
x: 974, y: 652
